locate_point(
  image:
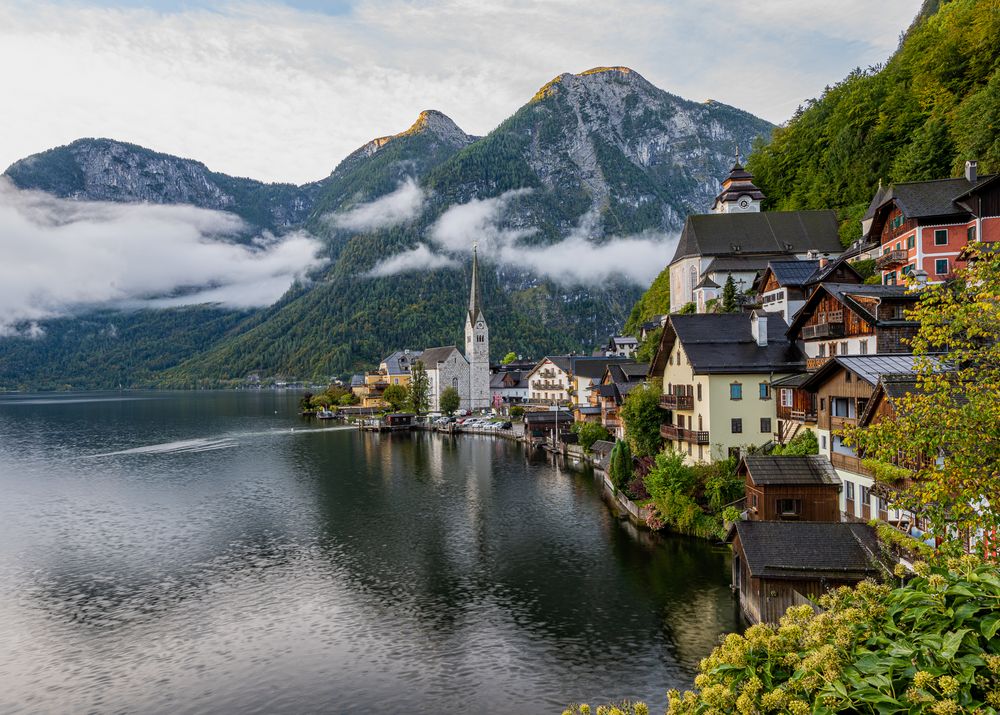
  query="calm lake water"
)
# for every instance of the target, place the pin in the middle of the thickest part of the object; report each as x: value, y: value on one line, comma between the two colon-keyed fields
x: 212, y: 553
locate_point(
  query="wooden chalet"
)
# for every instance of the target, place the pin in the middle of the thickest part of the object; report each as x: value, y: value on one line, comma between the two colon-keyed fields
x: 784, y: 285
x: 795, y: 409
x: 851, y: 319
x: 791, y: 488
x: 779, y: 564
x: 609, y: 394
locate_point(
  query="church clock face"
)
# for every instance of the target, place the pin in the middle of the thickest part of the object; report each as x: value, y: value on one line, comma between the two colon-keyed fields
x: 744, y: 202
x: 479, y: 325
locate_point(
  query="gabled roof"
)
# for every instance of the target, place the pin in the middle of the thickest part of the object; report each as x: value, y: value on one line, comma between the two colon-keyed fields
x: 399, y: 362
x: 499, y: 380
x: 794, y: 273
x: 807, y: 549
x: 841, y: 262
x: 706, y: 282
x: 432, y: 356
x: 870, y: 368
x: 877, y: 201
x: 594, y: 367
x: 891, y: 388
x: 771, y: 232
x: 845, y: 293
x: 724, y: 344
x: 624, y: 340
x: 739, y: 264
x: 922, y: 199
x: 805, y: 470
x: 602, y: 446
x: 357, y: 380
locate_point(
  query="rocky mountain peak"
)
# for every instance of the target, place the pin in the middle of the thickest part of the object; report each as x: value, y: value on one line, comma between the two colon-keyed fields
x: 441, y: 125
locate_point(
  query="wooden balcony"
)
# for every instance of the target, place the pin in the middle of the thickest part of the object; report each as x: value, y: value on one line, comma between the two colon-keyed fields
x: 823, y: 330
x: 814, y: 364
x: 677, y: 402
x: 673, y: 432
x: 850, y: 463
x: 803, y: 416
x: 891, y: 259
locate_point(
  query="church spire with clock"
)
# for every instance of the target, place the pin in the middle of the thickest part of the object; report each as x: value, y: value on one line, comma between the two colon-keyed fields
x: 477, y: 343
x: 738, y: 195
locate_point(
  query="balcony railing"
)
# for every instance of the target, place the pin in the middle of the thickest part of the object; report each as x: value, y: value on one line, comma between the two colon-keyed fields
x: 684, y: 435
x: 803, y: 416
x: 823, y: 330
x: 889, y: 259
x: 850, y: 463
x: 815, y: 363
x: 677, y: 402
x: 547, y: 385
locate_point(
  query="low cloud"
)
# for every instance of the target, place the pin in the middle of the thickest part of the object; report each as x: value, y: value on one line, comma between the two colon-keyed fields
x: 584, y: 256
x: 402, y: 205
x: 60, y: 256
x: 420, y: 258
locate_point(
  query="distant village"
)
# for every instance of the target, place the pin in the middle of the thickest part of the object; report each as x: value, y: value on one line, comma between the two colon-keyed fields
x: 805, y: 343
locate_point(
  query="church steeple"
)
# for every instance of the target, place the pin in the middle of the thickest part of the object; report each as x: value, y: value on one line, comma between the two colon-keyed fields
x: 738, y: 195
x: 475, y: 308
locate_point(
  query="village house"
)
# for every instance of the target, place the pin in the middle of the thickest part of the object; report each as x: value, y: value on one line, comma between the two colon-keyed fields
x: 851, y: 319
x: 654, y: 323
x: 779, y: 564
x: 925, y: 225
x: 784, y: 285
x: 790, y: 488
x: 621, y: 346
x: 716, y: 372
x: 609, y: 394
x: 842, y: 388
x: 508, y: 387
x: 566, y: 379
x: 739, y: 240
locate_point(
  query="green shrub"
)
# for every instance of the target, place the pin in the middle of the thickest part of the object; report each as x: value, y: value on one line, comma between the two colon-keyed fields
x: 802, y: 444
x: 620, y: 465
x: 590, y: 432
x: 517, y: 412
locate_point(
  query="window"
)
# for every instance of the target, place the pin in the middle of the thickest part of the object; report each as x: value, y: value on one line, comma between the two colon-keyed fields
x: 865, y: 494
x: 737, y: 426
x: 765, y: 391
x: 788, y: 507
x: 843, y: 348
x: 822, y: 349
x: 899, y: 246
x: 849, y: 491
x: 911, y: 242
x: 971, y: 234
x: 699, y: 392
x: 833, y: 349
x: 480, y: 338
x: 700, y: 424
x: 765, y: 425
x: 897, y: 221
x: 847, y: 376
x: 863, y: 346
x: 941, y: 237
x: 907, y: 270
x: 941, y: 266
x: 822, y: 403
x: 890, y: 278
x: 753, y: 500
x: 786, y: 397
x: 822, y: 441
x: 736, y: 391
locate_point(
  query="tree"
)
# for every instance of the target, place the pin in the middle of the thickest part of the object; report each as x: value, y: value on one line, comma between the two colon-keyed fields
x: 944, y: 437
x: 321, y: 401
x: 516, y: 411
x: 450, y: 400
x: 642, y: 417
x: 396, y: 396
x: 508, y: 358
x: 305, y: 404
x: 419, y: 387
x: 729, y: 295
x: 620, y: 464
x: 349, y: 399
x: 647, y: 348
x: 802, y: 444
x: 589, y: 432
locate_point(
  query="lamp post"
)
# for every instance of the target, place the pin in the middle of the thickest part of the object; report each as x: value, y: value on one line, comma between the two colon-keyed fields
x: 919, y: 278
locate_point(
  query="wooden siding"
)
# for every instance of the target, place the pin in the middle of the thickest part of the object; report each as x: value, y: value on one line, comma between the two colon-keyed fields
x: 838, y: 386
x: 817, y: 502
x: 853, y: 324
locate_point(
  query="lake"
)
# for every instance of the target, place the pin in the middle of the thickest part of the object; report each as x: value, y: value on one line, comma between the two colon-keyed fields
x: 211, y: 552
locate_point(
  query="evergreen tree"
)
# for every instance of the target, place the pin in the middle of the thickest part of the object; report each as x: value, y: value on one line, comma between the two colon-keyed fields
x: 620, y: 464
x: 729, y: 295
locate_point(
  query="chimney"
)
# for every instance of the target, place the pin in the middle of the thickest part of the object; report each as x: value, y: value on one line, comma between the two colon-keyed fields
x: 970, y: 171
x: 823, y: 263
x: 758, y: 327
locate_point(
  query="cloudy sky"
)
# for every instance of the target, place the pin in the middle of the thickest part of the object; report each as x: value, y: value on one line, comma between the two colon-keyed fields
x: 283, y: 91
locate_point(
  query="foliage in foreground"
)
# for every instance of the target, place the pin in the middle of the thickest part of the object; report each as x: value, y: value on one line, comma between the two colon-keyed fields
x: 801, y: 445
x: 642, y: 416
x: 691, y: 499
x: 589, y: 432
x: 929, y: 646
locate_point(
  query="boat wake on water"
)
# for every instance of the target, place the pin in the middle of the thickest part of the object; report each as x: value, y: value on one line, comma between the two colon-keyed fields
x: 208, y: 444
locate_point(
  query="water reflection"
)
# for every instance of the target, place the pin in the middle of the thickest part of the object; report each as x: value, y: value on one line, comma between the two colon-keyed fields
x: 323, y: 571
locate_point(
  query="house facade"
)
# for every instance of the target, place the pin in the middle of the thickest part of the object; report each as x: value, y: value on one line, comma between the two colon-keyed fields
x: 790, y: 488
x: 716, y: 372
x: 784, y: 285
x: 851, y: 319
x: 925, y: 225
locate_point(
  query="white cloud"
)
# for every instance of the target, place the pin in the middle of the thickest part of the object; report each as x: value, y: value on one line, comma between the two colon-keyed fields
x: 579, y: 258
x: 61, y: 255
x: 263, y: 90
x: 402, y: 205
x: 420, y: 258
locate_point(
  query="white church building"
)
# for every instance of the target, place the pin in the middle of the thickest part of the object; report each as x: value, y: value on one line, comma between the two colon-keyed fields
x: 469, y: 373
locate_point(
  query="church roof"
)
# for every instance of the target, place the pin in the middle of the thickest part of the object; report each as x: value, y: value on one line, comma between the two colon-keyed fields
x: 432, y: 356
x: 771, y: 232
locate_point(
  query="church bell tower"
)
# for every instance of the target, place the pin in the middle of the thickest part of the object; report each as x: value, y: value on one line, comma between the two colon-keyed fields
x: 739, y: 194
x: 477, y: 344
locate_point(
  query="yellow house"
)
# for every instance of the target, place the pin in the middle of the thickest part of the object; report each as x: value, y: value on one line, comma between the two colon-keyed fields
x: 716, y: 372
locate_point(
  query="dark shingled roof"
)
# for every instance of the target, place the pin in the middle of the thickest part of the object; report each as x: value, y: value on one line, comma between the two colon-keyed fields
x: 398, y: 363
x: 807, y: 549
x: 877, y: 201
x: 843, y: 293
x: 773, y: 232
x: 791, y: 380
x: 594, y: 367
x: 602, y: 446
x: 497, y: 380
x: 738, y: 263
x: 723, y: 343
x: 706, y: 282
x: 920, y: 199
x: 793, y: 273
x: 432, y: 356
x: 811, y: 469
x: 357, y: 380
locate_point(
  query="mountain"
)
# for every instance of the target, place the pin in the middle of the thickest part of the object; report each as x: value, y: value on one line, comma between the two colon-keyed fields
x: 108, y: 170
x: 601, y: 154
x: 933, y: 105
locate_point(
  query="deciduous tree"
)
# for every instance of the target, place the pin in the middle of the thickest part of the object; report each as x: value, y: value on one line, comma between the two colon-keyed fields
x: 642, y: 416
x: 450, y: 400
x: 396, y: 396
x: 419, y: 387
